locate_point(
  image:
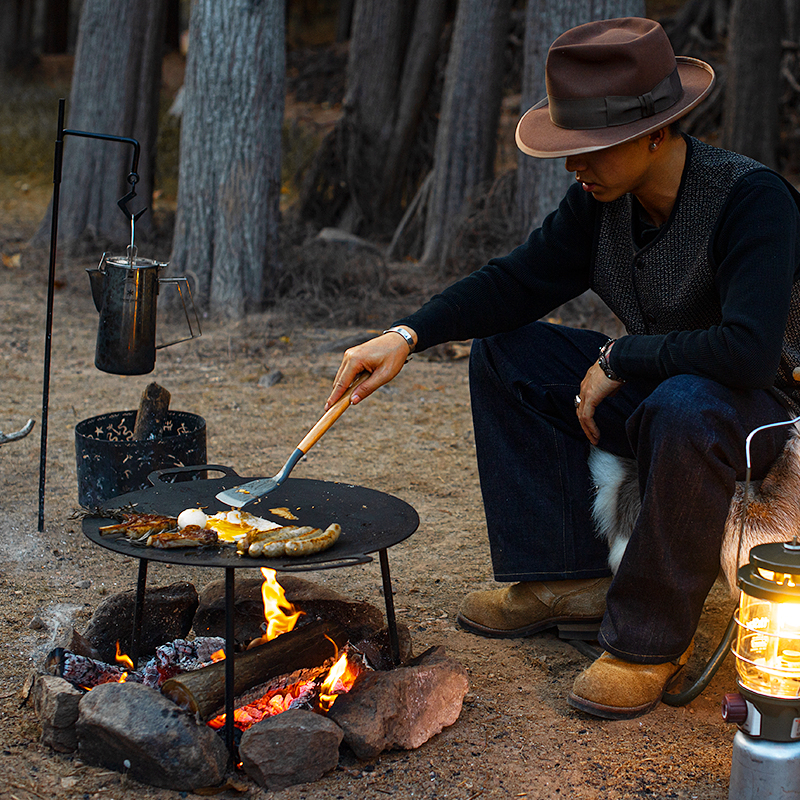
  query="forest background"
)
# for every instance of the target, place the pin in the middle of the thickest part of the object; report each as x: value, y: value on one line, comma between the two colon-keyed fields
x: 270, y: 130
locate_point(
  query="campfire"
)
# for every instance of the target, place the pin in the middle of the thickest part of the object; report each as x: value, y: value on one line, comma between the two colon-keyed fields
x: 308, y: 679
x: 317, y: 691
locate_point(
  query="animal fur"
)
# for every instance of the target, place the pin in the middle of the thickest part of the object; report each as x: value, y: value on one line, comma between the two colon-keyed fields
x: 771, y: 515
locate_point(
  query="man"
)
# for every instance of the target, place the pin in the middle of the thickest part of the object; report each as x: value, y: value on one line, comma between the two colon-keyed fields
x: 697, y: 251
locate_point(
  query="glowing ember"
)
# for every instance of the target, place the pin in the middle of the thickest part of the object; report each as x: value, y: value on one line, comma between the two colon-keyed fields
x: 272, y: 703
x: 338, y: 680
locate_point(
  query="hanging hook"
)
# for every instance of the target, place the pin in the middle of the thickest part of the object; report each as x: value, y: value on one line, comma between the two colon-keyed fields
x: 133, y: 179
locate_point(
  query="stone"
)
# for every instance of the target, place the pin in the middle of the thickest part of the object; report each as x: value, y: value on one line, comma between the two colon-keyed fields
x: 76, y: 643
x: 55, y: 703
x: 270, y: 379
x: 377, y: 647
x: 401, y: 708
x: 167, y: 615
x: 290, y: 748
x: 135, y: 730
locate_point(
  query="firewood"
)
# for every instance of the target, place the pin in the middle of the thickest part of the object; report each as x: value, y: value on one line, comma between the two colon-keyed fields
x: 152, y: 411
x: 170, y: 659
x: 84, y: 671
x: 203, y: 691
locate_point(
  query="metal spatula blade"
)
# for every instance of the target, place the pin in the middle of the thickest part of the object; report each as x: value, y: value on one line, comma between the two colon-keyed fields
x: 251, y: 492
x: 247, y: 493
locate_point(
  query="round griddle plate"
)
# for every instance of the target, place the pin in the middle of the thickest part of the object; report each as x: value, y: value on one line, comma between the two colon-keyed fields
x: 370, y: 520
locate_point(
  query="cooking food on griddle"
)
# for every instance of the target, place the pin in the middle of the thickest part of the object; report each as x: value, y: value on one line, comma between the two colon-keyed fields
x: 136, y: 525
x: 190, y: 536
x: 253, y: 536
x: 290, y: 541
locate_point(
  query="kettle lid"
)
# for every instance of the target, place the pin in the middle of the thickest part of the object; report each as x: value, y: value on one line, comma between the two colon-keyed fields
x: 133, y: 263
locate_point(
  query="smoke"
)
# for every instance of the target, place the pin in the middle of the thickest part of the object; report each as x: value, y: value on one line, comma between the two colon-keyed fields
x: 18, y: 544
x: 58, y: 621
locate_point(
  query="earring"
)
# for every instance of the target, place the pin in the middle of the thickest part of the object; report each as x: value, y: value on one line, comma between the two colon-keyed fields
x: 653, y: 146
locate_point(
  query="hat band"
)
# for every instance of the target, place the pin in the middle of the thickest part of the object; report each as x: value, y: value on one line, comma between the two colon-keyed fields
x: 587, y: 113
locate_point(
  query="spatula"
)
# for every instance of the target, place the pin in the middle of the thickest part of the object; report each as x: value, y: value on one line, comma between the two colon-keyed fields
x: 248, y: 493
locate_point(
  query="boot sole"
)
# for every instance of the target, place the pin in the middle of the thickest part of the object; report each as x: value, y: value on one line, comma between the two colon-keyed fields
x: 568, y: 628
x: 621, y: 713
x: 610, y: 712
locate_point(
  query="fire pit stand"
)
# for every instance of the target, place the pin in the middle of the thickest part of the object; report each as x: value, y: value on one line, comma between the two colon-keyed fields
x: 371, y: 522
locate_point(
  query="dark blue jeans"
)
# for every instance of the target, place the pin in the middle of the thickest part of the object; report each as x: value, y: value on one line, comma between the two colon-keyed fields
x: 687, y: 435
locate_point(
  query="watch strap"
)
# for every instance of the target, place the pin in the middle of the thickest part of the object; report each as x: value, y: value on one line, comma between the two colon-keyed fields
x: 405, y: 334
x: 602, y: 361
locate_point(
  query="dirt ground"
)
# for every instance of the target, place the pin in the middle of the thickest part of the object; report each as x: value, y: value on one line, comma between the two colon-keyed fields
x: 516, y: 736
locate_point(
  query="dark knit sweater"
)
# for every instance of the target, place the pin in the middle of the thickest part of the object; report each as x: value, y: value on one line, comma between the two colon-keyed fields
x: 754, y: 256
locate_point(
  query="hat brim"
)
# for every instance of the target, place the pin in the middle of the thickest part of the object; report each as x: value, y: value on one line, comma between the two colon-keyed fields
x: 538, y: 136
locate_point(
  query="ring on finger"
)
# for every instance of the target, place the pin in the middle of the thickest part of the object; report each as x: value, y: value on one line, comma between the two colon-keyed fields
x: 577, y: 401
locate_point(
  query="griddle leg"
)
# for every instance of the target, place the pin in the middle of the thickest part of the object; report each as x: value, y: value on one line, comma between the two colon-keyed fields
x: 229, y: 655
x: 391, y: 620
x: 138, y: 612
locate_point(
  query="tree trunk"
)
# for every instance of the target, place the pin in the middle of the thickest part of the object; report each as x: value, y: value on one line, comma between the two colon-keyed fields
x: 226, y: 228
x: 467, y: 132
x: 751, y: 115
x: 9, y: 35
x: 115, y: 90
x: 417, y: 76
x: 377, y: 46
x: 344, y: 19
x: 360, y: 171
x: 541, y: 183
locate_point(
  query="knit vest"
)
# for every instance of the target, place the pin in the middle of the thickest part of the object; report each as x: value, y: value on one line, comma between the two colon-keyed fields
x: 668, y: 285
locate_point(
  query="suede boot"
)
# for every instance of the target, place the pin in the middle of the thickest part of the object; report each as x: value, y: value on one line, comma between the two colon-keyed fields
x: 574, y: 607
x: 615, y: 689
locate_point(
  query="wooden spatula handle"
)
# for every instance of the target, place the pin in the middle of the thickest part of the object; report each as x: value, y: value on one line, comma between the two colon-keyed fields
x: 330, y: 416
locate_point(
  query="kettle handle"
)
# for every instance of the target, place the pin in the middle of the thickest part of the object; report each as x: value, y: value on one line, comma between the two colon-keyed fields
x: 192, y: 335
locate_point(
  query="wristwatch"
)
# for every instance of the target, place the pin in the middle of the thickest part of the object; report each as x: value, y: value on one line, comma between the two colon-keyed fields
x: 405, y: 334
x: 603, y: 362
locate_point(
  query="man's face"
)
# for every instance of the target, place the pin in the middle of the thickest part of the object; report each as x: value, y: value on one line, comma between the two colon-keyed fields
x: 610, y: 173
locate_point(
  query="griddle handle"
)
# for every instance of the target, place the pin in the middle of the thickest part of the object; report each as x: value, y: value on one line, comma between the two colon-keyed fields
x: 157, y: 476
x: 351, y: 561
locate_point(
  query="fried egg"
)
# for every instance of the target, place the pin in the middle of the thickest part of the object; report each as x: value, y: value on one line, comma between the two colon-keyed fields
x: 229, y: 525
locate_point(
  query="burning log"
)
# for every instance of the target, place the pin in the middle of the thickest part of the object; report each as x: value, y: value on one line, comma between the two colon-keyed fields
x: 203, y: 691
x: 87, y: 672
x: 170, y: 659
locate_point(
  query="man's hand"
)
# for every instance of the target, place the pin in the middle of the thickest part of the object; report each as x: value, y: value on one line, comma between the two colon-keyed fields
x: 595, y: 387
x: 383, y: 357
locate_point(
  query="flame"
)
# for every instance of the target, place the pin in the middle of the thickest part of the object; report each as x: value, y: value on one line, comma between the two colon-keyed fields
x: 339, y: 680
x: 121, y: 658
x: 218, y: 655
x: 280, y: 615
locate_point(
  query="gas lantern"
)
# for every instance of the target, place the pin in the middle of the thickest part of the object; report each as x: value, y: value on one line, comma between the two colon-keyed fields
x: 766, y: 748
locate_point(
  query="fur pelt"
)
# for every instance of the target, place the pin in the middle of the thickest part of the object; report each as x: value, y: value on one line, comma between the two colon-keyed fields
x: 771, y: 515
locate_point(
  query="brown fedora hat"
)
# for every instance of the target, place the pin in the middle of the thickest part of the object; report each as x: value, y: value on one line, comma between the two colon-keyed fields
x: 609, y: 82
